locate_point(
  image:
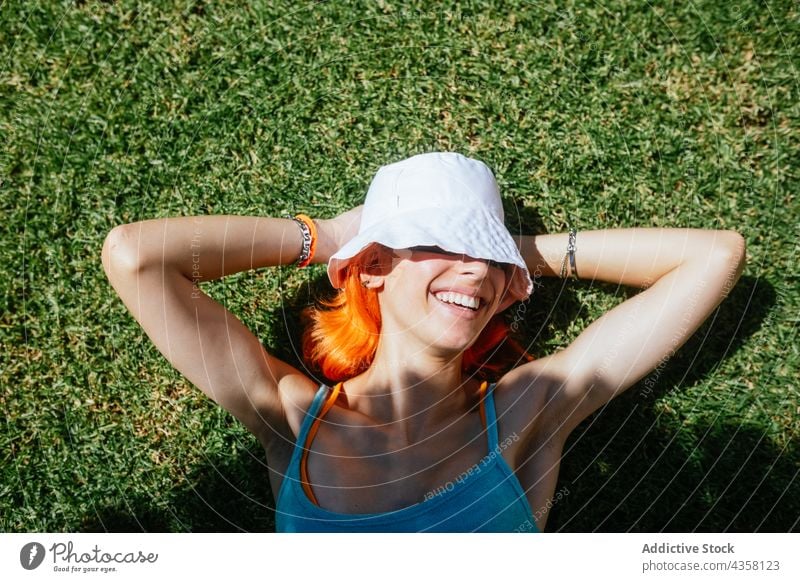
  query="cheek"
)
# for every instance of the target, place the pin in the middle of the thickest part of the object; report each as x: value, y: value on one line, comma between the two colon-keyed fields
x: 500, y: 282
x: 405, y: 291
x: 413, y: 277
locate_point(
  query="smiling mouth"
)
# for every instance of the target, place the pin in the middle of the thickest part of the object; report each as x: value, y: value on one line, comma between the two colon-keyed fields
x: 459, y: 300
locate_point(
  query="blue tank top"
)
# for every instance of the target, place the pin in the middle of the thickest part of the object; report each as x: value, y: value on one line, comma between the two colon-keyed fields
x: 487, y: 498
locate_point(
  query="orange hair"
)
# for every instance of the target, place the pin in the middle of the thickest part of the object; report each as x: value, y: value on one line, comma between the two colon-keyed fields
x: 342, y: 334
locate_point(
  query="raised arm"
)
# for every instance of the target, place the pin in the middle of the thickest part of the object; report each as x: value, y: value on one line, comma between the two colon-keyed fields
x: 156, y: 265
x: 686, y: 273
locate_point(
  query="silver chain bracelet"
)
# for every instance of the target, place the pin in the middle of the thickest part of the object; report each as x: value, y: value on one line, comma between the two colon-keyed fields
x: 571, y: 248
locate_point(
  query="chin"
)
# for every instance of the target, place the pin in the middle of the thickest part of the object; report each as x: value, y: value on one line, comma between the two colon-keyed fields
x: 453, y: 341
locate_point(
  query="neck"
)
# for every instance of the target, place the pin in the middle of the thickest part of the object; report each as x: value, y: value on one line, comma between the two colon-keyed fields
x: 413, y: 392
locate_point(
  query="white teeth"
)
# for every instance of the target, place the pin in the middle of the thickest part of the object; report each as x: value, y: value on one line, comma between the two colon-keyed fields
x: 459, y: 299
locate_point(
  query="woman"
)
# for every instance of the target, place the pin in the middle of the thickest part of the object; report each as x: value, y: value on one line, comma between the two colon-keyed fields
x: 413, y: 439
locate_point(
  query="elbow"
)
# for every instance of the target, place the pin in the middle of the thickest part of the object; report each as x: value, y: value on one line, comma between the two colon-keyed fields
x: 119, y: 254
x: 734, y: 248
x: 732, y: 257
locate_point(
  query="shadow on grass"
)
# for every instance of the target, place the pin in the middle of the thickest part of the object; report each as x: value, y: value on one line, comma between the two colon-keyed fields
x: 230, y: 493
x: 652, y: 476
x: 633, y: 466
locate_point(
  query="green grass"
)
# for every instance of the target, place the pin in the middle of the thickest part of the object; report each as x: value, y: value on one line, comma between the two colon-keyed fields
x: 615, y: 115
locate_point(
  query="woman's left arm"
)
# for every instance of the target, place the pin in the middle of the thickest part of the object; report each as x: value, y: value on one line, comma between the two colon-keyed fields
x: 686, y: 273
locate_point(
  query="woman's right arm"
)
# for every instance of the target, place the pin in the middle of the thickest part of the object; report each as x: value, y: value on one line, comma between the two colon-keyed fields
x: 155, y: 267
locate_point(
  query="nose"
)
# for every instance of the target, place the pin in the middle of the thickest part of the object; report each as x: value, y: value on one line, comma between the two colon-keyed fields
x: 469, y: 266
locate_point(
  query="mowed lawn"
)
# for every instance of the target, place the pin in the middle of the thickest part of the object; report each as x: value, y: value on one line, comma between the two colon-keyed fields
x: 620, y: 114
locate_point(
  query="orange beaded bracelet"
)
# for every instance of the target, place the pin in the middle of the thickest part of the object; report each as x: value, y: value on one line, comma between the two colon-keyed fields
x: 309, y: 231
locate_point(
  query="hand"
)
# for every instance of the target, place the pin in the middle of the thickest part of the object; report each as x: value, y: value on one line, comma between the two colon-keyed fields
x: 333, y: 233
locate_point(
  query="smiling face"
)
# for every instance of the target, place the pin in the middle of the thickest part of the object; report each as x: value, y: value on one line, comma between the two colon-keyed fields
x: 435, y: 299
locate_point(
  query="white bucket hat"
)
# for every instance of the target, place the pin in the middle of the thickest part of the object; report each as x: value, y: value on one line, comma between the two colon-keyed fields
x: 440, y: 199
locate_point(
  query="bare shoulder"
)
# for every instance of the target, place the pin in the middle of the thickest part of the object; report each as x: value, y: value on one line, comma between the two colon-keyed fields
x: 279, y: 426
x: 296, y: 392
x: 523, y: 401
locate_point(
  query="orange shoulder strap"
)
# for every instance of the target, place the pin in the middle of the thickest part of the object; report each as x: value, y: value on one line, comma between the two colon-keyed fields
x: 309, y: 438
x: 482, y: 395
